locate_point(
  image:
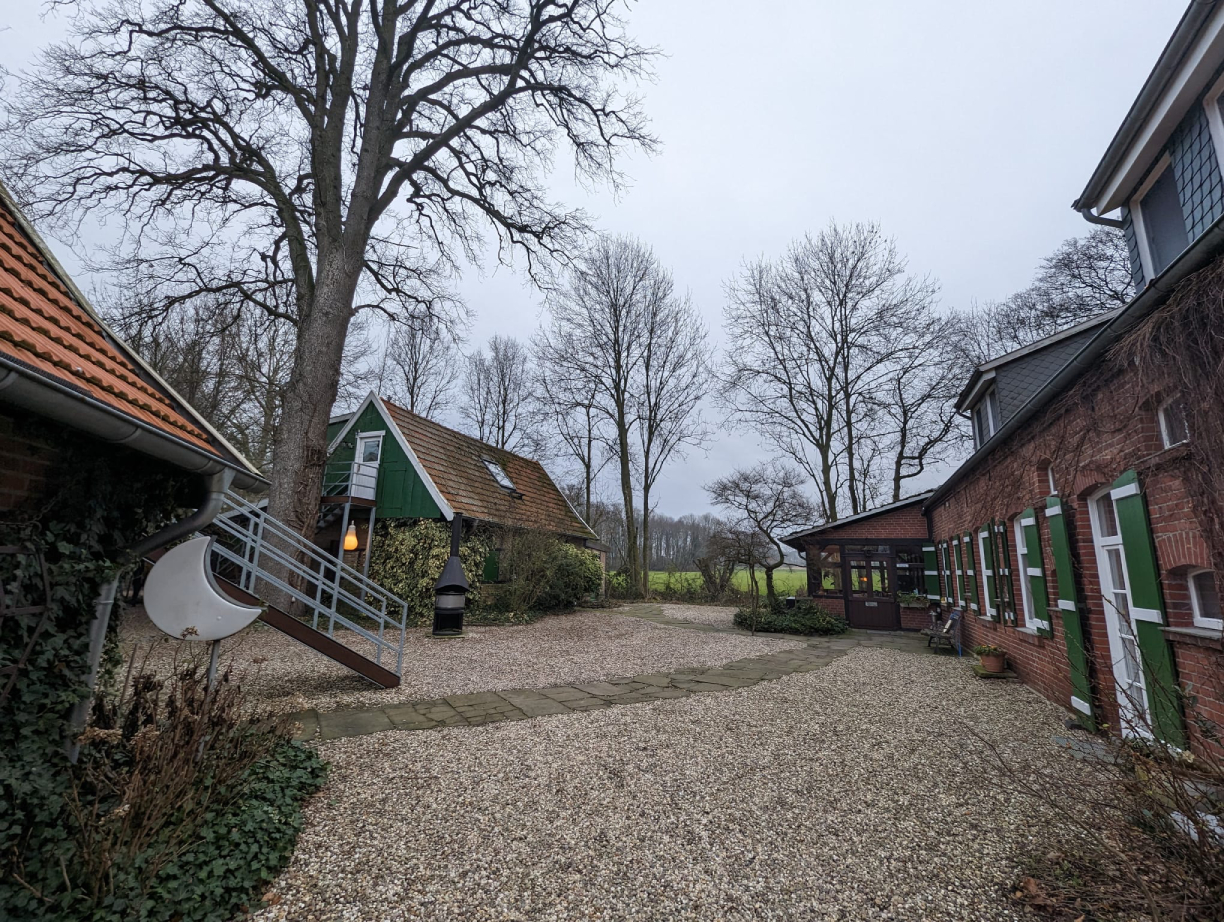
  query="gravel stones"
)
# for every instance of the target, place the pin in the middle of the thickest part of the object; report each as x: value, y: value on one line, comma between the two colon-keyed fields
x: 852, y: 792
x: 713, y: 615
x: 582, y: 647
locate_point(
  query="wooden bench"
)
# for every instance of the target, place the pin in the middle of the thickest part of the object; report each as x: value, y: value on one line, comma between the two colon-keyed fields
x: 945, y: 632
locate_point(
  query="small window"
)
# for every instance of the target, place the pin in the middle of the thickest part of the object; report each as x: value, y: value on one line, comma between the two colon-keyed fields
x: 1022, y: 561
x: 986, y: 417
x: 503, y: 480
x: 1173, y: 427
x: 989, y: 578
x: 829, y: 566
x: 1162, y: 232
x: 1052, y: 482
x: 1205, y: 599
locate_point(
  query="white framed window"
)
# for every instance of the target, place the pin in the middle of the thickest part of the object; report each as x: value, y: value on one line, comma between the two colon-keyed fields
x: 1022, y: 562
x: 956, y: 572
x: 1205, y: 599
x: 1160, y: 223
x: 985, y: 417
x: 988, y: 575
x: 1212, y: 102
x: 1129, y: 684
x: 1050, y: 478
x: 1173, y: 427
x: 499, y: 474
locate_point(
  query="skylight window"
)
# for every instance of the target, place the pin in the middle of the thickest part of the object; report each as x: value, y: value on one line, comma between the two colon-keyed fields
x: 502, y: 478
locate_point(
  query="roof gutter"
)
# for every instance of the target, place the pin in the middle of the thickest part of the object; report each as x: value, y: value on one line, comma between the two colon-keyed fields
x: 1170, y: 59
x: 1092, y: 218
x: 1194, y: 258
x: 46, y: 397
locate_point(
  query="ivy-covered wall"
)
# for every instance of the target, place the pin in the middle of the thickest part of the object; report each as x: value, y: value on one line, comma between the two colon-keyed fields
x: 90, y: 501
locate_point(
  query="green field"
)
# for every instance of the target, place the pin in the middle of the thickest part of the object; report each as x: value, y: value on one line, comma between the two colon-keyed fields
x: 787, y: 580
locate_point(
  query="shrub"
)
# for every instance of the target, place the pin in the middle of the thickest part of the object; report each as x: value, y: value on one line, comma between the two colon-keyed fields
x: 804, y: 618
x: 542, y: 573
x: 183, y: 806
x: 408, y: 559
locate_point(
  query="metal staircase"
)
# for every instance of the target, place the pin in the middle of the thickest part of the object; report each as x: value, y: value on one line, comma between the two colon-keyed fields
x: 308, y: 594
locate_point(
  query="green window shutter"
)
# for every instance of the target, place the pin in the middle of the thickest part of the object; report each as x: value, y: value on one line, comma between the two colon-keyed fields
x: 958, y: 553
x: 1036, y: 573
x: 1147, y: 609
x: 930, y: 570
x: 989, y: 578
x: 972, y: 576
x: 1068, y: 609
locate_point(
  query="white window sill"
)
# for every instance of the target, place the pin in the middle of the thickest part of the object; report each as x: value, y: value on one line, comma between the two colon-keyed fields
x: 1031, y: 631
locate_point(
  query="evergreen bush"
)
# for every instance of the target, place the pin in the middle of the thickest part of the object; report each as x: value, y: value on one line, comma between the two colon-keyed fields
x: 805, y: 618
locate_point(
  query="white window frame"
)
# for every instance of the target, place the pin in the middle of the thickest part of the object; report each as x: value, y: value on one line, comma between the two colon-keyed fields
x: 1166, y: 440
x: 956, y: 573
x: 988, y: 407
x: 1201, y: 620
x: 377, y: 434
x: 1137, y: 724
x: 1136, y: 211
x: 1050, y: 477
x: 1211, y: 102
x: 1022, y: 564
x: 493, y: 467
x: 988, y: 576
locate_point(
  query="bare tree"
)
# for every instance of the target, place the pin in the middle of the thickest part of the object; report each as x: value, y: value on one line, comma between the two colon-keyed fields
x: 1084, y: 277
x: 347, y: 152
x: 499, y: 401
x: 815, y: 338
x: 618, y: 332
x: 769, y: 500
x: 572, y: 418
x: 419, y: 363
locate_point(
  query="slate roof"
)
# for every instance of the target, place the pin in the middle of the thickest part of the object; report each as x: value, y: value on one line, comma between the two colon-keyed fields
x: 454, y: 462
x: 47, y: 331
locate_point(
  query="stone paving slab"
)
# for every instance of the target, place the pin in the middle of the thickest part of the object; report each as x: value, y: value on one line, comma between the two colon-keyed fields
x: 479, y: 708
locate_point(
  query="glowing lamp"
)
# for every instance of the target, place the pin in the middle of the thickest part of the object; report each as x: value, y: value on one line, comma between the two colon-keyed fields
x: 350, y: 538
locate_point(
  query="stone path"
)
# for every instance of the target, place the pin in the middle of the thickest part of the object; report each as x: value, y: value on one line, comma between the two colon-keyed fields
x: 477, y: 708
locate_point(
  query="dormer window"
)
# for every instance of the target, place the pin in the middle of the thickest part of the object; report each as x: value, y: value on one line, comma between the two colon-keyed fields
x: 985, y: 417
x: 502, y: 478
x: 1160, y: 224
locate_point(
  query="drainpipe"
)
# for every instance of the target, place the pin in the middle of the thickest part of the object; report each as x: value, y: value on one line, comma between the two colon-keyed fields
x: 217, y: 485
x: 1092, y: 218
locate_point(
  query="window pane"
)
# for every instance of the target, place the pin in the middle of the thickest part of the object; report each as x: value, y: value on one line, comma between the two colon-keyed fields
x: 369, y: 450
x: 879, y: 578
x: 829, y: 563
x: 1173, y: 428
x: 860, y: 577
x: 1117, y: 569
x: 1164, y: 223
x: 1206, y: 595
x: 1106, y: 517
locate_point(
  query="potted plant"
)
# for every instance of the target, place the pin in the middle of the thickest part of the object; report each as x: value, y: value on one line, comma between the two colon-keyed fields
x: 993, y: 659
x: 912, y: 600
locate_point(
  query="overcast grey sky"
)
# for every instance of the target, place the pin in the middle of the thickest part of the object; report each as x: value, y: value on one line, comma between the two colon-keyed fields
x: 965, y: 128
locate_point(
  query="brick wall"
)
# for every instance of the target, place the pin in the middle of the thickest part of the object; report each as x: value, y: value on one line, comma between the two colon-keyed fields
x: 24, y: 463
x: 1106, y: 427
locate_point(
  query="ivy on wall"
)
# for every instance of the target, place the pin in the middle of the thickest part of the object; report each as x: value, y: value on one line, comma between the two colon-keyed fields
x: 101, y: 499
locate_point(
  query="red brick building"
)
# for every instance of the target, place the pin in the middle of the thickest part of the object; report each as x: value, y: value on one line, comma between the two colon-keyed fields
x: 1085, y: 534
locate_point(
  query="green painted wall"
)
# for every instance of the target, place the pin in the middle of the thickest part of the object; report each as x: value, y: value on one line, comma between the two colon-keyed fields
x: 401, y: 493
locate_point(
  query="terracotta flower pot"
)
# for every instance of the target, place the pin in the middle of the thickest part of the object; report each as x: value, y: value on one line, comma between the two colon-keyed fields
x: 993, y: 662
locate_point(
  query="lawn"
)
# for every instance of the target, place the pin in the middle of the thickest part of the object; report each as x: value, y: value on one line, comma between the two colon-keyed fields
x: 787, y: 580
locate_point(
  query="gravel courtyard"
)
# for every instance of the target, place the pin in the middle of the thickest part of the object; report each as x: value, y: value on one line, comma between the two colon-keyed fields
x: 848, y: 793
x: 585, y: 646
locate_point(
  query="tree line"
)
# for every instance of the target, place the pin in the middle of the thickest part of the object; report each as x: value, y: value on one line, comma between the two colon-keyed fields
x: 297, y: 188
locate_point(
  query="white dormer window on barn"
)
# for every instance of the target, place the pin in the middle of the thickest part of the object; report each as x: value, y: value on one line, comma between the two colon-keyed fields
x: 985, y: 417
x: 502, y: 478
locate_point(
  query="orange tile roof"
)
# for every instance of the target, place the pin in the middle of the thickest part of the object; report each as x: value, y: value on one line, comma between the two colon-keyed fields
x: 44, y: 329
x: 454, y: 463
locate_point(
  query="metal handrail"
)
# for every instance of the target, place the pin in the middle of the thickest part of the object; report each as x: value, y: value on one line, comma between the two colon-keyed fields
x: 343, y: 478
x: 273, y: 559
